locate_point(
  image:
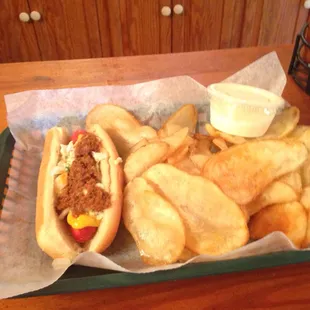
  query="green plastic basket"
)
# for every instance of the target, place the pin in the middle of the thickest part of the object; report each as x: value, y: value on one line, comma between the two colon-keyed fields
x: 79, y: 278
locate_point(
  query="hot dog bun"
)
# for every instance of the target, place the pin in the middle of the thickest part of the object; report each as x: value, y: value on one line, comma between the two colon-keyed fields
x: 52, y: 234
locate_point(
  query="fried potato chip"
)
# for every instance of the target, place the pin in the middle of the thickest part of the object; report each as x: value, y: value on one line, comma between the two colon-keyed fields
x: 200, y: 136
x: 154, y: 224
x: 108, y: 113
x: 245, y: 212
x: 302, y: 133
x: 144, y: 158
x: 225, y: 136
x: 305, y: 197
x: 186, y: 255
x: 306, y: 241
x: 299, y: 132
x: 203, y: 147
x: 305, y: 172
x: 276, y: 192
x: 214, y: 224
x: 293, y: 179
x: 220, y: 143
x: 188, y: 166
x: 243, y: 171
x: 211, y: 130
x: 199, y: 160
x: 186, y: 116
x: 283, y: 123
x: 290, y: 218
x: 190, y: 142
x: 178, y: 156
x: 123, y: 128
x: 176, y: 140
x: 231, y: 138
x: 138, y: 145
x: 168, y: 130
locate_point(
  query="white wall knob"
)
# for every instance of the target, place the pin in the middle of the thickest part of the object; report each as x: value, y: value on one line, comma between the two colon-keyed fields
x: 307, y: 4
x: 178, y: 9
x: 24, y: 17
x: 166, y: 11
x: 36, y: 16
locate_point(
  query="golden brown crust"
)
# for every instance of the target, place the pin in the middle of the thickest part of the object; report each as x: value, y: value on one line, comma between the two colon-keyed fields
x: 52, y: 234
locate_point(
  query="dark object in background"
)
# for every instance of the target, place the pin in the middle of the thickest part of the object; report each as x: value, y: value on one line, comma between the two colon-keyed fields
x: 300, y: 65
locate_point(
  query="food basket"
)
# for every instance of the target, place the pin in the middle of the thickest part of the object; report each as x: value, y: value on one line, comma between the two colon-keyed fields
x: 80, y: 278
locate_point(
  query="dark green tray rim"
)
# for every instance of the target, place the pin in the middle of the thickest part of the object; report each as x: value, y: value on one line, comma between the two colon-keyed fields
x: 79, y: 278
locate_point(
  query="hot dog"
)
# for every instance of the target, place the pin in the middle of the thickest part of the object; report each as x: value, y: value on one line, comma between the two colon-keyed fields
x: 79, y: 196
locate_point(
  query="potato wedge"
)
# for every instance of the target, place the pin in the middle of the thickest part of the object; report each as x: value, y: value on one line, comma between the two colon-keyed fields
x: 243, y: 171
x: 220, y: 143
x: 124, y: 129
x: 144, y: 158
x: 199, y: 136
x: 108, y: 113
x: 283, y: 124
x: 190, y: 142
x: 154, y: 224
x: 231, y: 138
x: 214, y: 224
x: 137, y: 146
x: 199, y: 161
x: 276, y: 192
x: 293, y: 179
x: 202, y: 147
x: 178, y: 156
x: 305, y: 197
x: 176, y: 140
x: 290, y: 218
x: 211, y: 130
x: 188, y: 166
x: 168, y: 130
x: 186, y: 116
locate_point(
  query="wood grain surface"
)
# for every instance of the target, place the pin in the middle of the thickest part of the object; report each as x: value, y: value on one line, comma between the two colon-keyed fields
x: 18, y: 40
x: 275, y: 288
x: 68, y: 29
x: 253, y: 12
x: 144, y: 29
x: 232, y: 24
x: 110, y: 27
x: 202, y: 25
x: 278, y: 21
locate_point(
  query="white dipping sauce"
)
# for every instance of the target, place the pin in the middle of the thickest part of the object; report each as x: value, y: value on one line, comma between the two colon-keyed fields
x: 242, y: 110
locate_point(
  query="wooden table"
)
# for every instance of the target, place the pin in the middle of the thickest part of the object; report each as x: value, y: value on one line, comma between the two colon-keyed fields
x: 277, y: 288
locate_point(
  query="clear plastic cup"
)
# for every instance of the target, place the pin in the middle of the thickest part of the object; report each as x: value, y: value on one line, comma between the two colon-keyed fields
x: 242, y: 110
